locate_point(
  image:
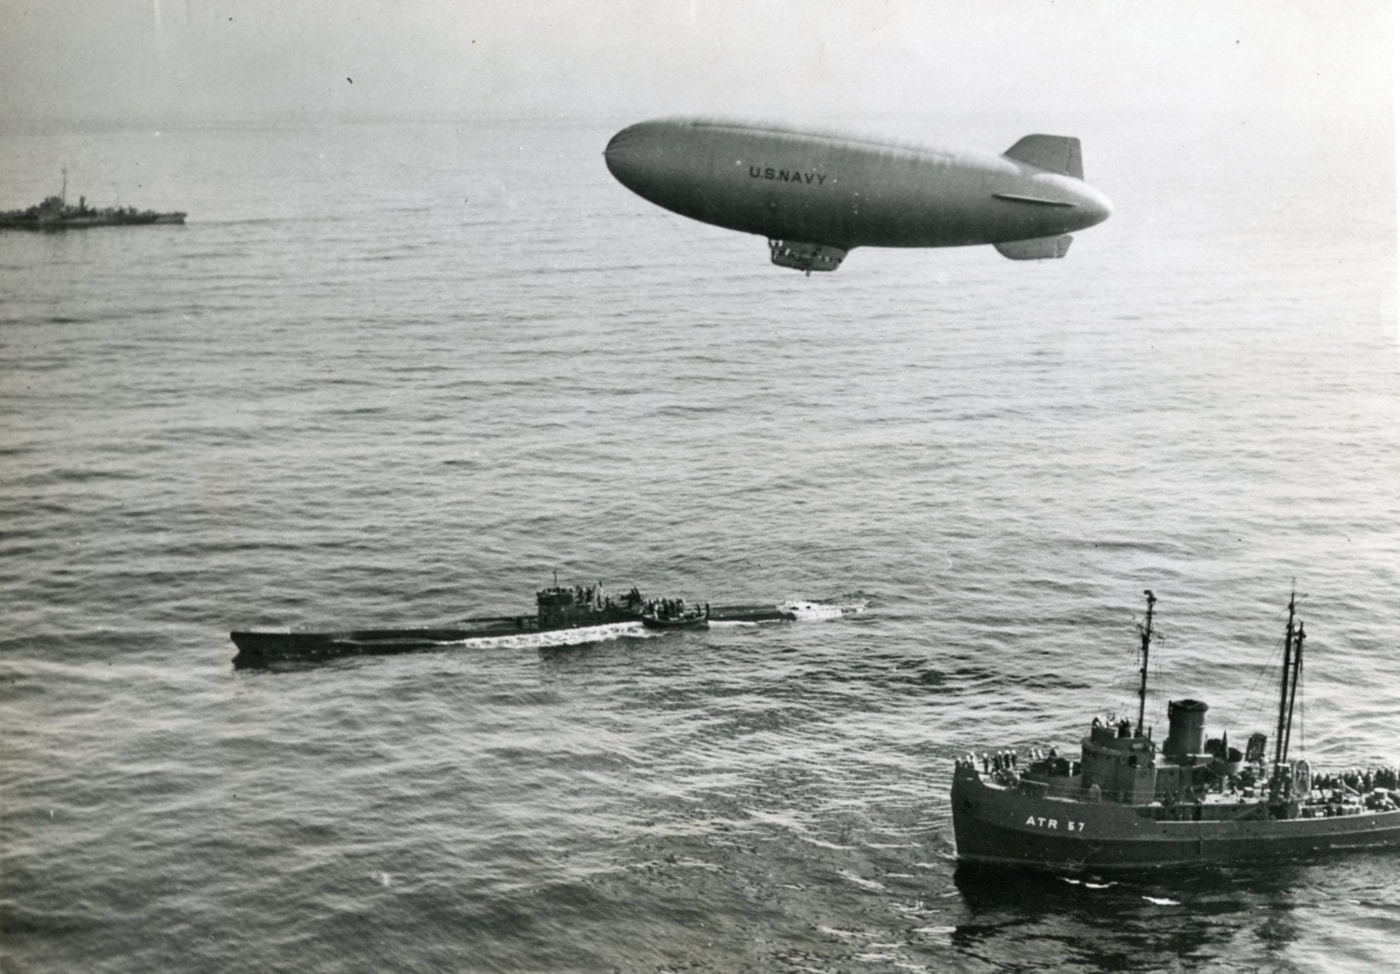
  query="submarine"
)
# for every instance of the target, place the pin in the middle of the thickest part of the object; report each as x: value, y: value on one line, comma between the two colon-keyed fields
x: 818, y: 195
x: 564, y: 616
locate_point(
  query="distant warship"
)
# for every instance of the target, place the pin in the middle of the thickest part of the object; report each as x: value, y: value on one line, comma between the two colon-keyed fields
x: 1128, y: 804
x: 54, y: 213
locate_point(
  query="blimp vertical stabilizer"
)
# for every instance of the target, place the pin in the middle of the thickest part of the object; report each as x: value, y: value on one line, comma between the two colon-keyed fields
x: 1053, y: 153
x: 818, y: 195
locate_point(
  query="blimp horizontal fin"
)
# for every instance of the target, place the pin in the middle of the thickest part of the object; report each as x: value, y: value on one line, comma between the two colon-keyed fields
x: 1040, y: 200
x: 1040, y: 248
x: 1053, y: 153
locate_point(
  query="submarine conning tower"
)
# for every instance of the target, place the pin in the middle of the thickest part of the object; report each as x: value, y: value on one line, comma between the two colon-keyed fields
x: 1187, y: 731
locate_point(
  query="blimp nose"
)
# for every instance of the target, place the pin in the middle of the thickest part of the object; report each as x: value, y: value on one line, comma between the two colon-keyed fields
x: 618, y: 146
x: 628, y: 153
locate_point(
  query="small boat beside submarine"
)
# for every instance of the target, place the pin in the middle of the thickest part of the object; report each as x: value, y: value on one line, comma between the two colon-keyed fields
x: 673, y: 614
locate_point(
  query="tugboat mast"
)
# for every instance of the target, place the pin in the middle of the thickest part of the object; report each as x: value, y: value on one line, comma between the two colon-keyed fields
x: 1293, y: 690
x: 1280, y: 751
x: 1287, y: 696
x: 1146, y: 630
x: 1288, y: 687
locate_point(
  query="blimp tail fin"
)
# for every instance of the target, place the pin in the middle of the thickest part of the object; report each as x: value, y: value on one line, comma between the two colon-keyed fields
x: 1054, y: 153
x: 1039, y: 248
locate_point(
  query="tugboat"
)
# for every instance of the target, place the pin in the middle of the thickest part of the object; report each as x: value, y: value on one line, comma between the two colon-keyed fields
x: 54, y: 213
x: 1128, y: 804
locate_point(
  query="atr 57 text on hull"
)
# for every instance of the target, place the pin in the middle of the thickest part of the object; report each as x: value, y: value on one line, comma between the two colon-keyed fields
x: 818, y: 195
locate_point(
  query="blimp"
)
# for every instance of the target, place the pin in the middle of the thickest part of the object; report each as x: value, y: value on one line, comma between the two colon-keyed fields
x: 817, y: 195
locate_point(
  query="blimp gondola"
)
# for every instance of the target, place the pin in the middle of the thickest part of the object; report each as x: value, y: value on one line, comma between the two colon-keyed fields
x: 818, y: 195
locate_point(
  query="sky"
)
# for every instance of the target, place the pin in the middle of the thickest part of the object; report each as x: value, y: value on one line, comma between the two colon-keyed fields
x: 163, y: 61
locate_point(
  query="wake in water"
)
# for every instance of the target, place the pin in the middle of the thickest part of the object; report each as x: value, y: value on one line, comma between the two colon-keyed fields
x: 804, y: 611
x: 557, y: 637
x: 793, y: 610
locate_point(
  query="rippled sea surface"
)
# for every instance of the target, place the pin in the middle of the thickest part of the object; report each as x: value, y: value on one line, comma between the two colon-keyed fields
x: 403, y: 374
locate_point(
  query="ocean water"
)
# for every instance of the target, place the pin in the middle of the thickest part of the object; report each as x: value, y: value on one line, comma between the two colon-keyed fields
x: 405, y: 373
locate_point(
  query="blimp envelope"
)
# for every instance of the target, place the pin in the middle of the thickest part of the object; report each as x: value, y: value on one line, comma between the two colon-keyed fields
x: 818, y: 195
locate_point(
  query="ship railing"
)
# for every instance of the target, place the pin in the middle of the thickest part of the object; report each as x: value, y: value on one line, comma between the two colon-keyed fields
x: 1060, y: 788
x: 1039, y: 786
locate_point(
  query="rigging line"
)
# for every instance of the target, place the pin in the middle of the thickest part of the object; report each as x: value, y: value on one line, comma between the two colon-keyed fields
x: 1125, y: 677
x: 1258, y: 703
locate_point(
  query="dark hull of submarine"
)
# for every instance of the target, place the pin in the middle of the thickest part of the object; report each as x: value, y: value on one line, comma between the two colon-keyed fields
x: 552, y: 624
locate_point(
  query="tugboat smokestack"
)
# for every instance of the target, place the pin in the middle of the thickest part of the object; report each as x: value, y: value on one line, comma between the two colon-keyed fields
x: 1188, y: 728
